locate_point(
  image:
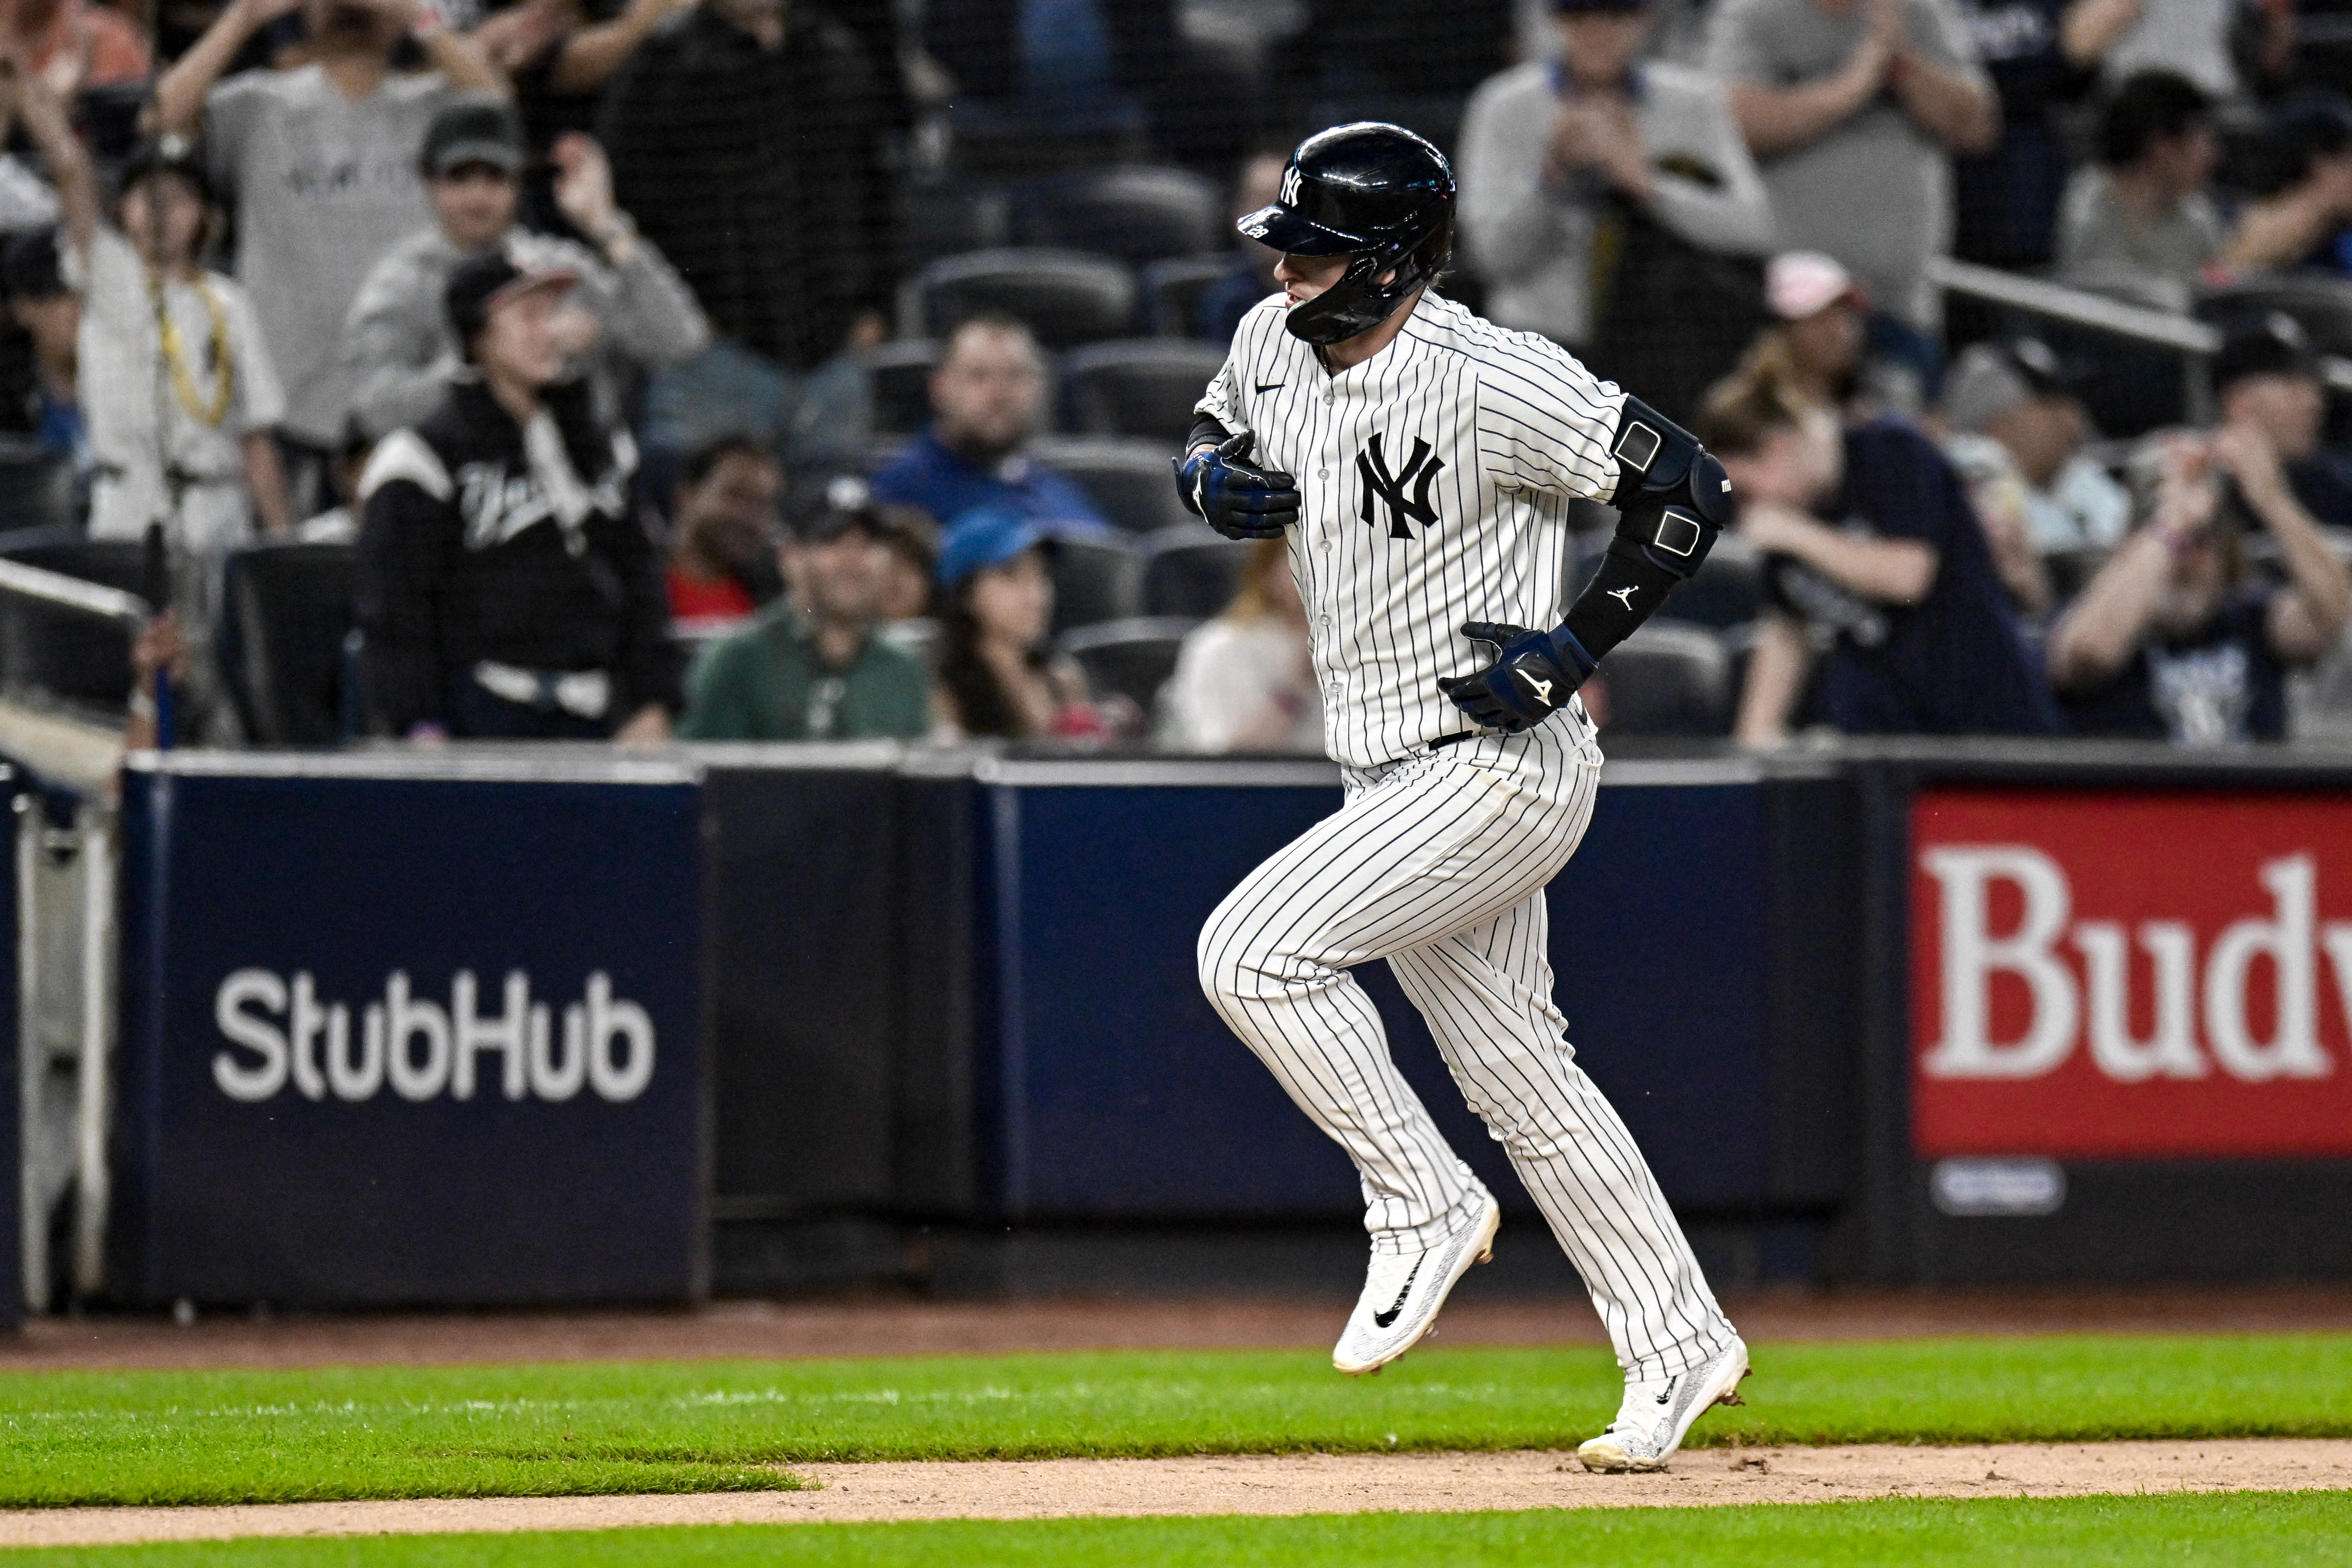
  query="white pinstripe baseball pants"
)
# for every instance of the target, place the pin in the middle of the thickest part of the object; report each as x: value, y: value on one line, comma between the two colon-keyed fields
x: 1438, y: 864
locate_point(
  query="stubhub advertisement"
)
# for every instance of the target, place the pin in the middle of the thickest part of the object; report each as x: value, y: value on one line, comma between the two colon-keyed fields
x: 410, y: 1038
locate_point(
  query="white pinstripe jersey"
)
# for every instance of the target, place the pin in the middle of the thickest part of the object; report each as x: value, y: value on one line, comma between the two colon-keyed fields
x: 1434, y: 480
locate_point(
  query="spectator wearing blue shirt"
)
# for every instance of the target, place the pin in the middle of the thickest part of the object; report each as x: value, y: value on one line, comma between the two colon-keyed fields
x: 987, y: 398
x: 1875, y: 557
x: 2175, y: 639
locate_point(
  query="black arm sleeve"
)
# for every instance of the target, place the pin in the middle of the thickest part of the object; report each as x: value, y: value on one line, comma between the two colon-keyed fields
x: 1206, y: 429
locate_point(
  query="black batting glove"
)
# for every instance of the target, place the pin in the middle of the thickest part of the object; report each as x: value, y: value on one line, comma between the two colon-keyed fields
x: 1233, y: 495
x: 1532, y: 678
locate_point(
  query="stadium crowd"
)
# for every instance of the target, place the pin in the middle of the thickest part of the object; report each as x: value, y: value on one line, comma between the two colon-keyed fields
x: 762, y: 369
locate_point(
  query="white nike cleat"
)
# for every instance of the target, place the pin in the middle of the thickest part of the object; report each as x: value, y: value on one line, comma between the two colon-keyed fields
x: 1402, y: 1291
x: 1654, y: 1419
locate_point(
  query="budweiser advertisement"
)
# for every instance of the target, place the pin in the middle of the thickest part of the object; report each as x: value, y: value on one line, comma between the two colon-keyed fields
x: 2113, y: 974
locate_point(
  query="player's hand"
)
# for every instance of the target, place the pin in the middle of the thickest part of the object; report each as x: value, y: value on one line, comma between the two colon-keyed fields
x: 1233, y: 495
x: 1532, y: 678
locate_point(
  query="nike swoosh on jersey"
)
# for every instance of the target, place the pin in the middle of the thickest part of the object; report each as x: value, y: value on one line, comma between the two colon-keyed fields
x: 1269, y: 386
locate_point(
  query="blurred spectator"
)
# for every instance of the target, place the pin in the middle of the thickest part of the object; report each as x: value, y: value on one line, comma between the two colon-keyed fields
x: 2018, y: 437
x: 1244, y: 681
x: 1222, y: 304
x: 996, y: 599
x: 175, y: 379
x: 1874, y: 561
x: 561, y: 53
x: 45, y: 305
x: 2306, y: 220
x: 73, y: 44
x: 396, y: 346
x: 810, y: 667
x: 2142, y: 215
x: 321, y: 162
x: 2217, y: 44
x: 2176, y: 639
x: 505, y: 589
x: 988, y: 399
x: 1588, y: 184
x: 2042, y: 58
x: 913, y: 543
x: 197, y: 457
x: 1820, y: 344
x: 753, y: 152
x: 1853, y: 108
x: 2266, y: 380
x: 724, y: 527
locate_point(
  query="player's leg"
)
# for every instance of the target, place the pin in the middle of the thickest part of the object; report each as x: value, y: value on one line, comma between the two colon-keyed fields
x: 1433, y: 842
x: 1486, y: 993
x: 1274, y: 960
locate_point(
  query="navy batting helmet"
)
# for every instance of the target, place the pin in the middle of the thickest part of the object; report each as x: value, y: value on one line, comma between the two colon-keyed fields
x: 1371, y: 191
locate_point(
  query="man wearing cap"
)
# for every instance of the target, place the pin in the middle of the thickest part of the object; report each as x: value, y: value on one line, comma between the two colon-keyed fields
x: 2266, y: 382
x: 2018, y: 435
x: 810, y: 667
x: 321, y: 162
x: 505, y: 589
x: 397, y: 349
x: 1560, y: 156
x: 1855, y: 108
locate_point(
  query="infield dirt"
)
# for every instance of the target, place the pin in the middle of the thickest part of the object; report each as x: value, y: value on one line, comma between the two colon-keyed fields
x: 1292, y: 1484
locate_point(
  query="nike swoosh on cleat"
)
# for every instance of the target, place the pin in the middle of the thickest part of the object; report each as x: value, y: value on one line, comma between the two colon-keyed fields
x: 1669, y: 1394
x: 1384, y: 1318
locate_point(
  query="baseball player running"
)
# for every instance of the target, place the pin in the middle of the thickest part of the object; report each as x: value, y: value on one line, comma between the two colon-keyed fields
x: 1434, y: 457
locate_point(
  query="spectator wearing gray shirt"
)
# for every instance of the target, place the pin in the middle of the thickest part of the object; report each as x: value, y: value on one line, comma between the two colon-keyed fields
x: 1855, y: 108
x: 1545, y: 143
x: 398, y: 349
x: 321, y: 162
x: 2141, y: 217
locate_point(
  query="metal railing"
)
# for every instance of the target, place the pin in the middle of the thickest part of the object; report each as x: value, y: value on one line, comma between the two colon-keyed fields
x: 2196, y: 341
x: 66, y: 971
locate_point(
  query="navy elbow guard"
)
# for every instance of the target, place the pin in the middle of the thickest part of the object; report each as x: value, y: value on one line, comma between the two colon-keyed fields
x: 1672, y: 499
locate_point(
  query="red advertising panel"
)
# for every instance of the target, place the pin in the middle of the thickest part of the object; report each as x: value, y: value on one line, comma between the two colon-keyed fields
x: 2131, y: 973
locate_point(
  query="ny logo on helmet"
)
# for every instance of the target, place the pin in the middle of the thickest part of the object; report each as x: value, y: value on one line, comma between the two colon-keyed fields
x: 1290, y: 186
x: 1372, y: 468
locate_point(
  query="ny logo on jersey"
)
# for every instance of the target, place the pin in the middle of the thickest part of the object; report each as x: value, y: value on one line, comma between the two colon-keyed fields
x: 1372, y: 468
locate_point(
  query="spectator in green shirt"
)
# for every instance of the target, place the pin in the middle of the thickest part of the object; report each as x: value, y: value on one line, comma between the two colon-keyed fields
x: 809, y: 666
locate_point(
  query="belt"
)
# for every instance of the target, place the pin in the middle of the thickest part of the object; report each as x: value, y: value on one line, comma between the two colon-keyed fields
x: 583, y: 693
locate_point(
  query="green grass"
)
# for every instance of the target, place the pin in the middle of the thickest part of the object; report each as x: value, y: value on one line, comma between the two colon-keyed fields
x: 2252, y: 1530
x: 360, y: 1432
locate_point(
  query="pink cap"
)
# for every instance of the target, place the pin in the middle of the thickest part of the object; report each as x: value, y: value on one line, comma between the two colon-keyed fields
x: 1800, y: 283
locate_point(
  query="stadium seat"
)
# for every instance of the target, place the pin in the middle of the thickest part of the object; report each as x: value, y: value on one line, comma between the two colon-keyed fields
x: 902, y: 385
x: 949, y: 217
x: 1133, y: 658
x: 1067, y: 297
x: 1145, y: 388
x: 1190, y: 569
x: 61, y: 652
x: 1172, y: 288
x: 37, y: 487
x: 1136, y: 213
x: 286, y: 611
x: 1670, y: 677
x: 1130, y: 480
x: 1093, y: 581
